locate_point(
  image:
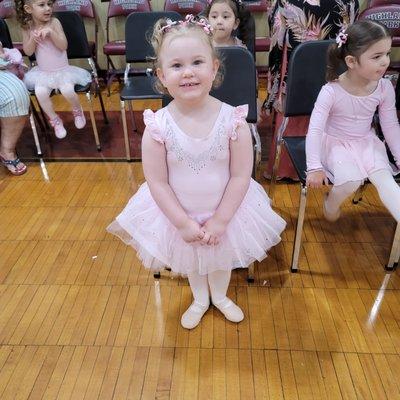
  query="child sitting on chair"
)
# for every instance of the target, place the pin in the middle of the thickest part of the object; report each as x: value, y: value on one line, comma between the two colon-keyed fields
x: 43, y: 35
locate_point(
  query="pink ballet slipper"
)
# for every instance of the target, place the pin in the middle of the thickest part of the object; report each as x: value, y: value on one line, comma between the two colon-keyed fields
x: 79, y: 117
x: 58, y: 127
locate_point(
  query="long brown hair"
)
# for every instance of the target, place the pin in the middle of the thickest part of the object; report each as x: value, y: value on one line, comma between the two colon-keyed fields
x: 23, y: 17
x: 360, y: 36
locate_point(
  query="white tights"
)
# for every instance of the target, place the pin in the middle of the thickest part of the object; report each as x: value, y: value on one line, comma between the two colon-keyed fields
x: 43, y: 95
x: 215, y: 283
x: 388, y: 190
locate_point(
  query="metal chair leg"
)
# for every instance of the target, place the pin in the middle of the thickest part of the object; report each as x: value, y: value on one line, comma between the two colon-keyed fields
x: 250, y: 273
x: 125, y: 129
x: 93, y: 121
x: 132, y: 116
x: 394, y: 256
x: 278, y: 149
x: 299, y: 229
x: 257, y: 149
x: 35, y: 134
x: 359, y: 194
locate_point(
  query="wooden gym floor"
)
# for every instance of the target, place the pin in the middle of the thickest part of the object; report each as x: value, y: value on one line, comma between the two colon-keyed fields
x: 81, y: 319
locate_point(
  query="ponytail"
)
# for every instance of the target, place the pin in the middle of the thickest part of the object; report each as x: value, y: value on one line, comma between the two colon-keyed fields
x: 335, y: 59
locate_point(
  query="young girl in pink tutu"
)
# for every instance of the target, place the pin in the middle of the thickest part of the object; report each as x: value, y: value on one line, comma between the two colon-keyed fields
x: 43, y: 35
x: 199, y: 212
x: 341, y: 144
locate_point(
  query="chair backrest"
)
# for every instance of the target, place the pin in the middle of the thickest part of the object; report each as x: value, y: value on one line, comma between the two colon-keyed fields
x: 185, y: 7
x: 305, y: 77
x: 118, y: 8
x: 375, y: 3
x: 7, y: 9
x: 85, y: 8
x: 239, y: 85
x: 138, y: 29
x: 5, y: 37
x: 388, y: 15
x: 257, y: 6
x: 123, y: 8
x: 75, y: 32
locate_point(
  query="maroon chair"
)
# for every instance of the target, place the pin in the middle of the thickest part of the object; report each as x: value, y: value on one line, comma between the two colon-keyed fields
x: 387, y: 15
x: 117, y: 47
x: 263, y: 42
x: 185, y: 7
x: 376, y: 3
x: 7, y: 10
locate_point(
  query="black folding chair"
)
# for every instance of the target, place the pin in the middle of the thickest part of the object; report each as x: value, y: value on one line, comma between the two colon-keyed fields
x: 78, y: 48
x: 302, y: 88
x: 239, y: 87
x: 138, y: 29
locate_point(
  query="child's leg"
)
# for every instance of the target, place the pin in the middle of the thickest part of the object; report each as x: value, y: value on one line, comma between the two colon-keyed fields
x: 68, y: 91
x: 42, y: 93
x: 219, y: 283
x: 389, y: 191
x: 199, y: 286
x: 338, y: 195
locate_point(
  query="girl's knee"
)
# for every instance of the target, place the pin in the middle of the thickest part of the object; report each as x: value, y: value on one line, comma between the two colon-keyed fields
x: 348, y: 188
x: 68, y: 91
x: 42, y: 92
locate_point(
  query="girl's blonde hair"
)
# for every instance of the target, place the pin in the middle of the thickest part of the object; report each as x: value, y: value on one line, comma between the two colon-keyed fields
x: 353, y: 41
x: 23, y: 17
x: 165, y: 28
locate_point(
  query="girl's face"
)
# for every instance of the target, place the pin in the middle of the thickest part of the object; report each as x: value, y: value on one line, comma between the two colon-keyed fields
x: 187, y: 68
x: 373, y: 63
x: 223, y: 21
x: 40, y: 10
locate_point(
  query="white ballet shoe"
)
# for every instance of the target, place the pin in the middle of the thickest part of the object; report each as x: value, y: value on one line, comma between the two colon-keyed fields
x: 231, y: 311
x: 329, y: 216
x: 193, y: 315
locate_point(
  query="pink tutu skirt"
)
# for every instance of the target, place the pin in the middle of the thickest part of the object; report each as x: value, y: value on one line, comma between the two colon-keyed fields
x: 353, y: 160
x: 53, y: 80
x: 253, y: 230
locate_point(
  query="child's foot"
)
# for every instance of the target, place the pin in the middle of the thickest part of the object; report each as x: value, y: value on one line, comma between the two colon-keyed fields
x: 193, y: 315
x: 329, y: 215
x: 79, y: 117
x: 231, y: 311
x: 58, y: 127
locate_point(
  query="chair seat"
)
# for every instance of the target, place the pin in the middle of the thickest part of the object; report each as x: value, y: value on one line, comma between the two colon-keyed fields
x: 115, y: 48
x: 140, y: 87
x: 262, y: 44
x: 296, y: 148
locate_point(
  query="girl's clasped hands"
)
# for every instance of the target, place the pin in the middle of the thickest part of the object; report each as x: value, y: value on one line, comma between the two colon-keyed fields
x: 205, y: 234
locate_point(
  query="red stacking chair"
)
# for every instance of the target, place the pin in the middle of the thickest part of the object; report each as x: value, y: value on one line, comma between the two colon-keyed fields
x: 86, y: 10
x: 262, y: 42
x: 185, y: 7
x: 117, y: 47
x: 388, y: 15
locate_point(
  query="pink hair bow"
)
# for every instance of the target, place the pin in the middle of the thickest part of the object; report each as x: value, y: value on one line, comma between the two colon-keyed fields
x: 341, y: 38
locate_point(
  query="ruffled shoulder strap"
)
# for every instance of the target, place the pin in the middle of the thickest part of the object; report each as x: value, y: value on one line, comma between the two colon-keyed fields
x: 238, y: 119
x: 150, y: 120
